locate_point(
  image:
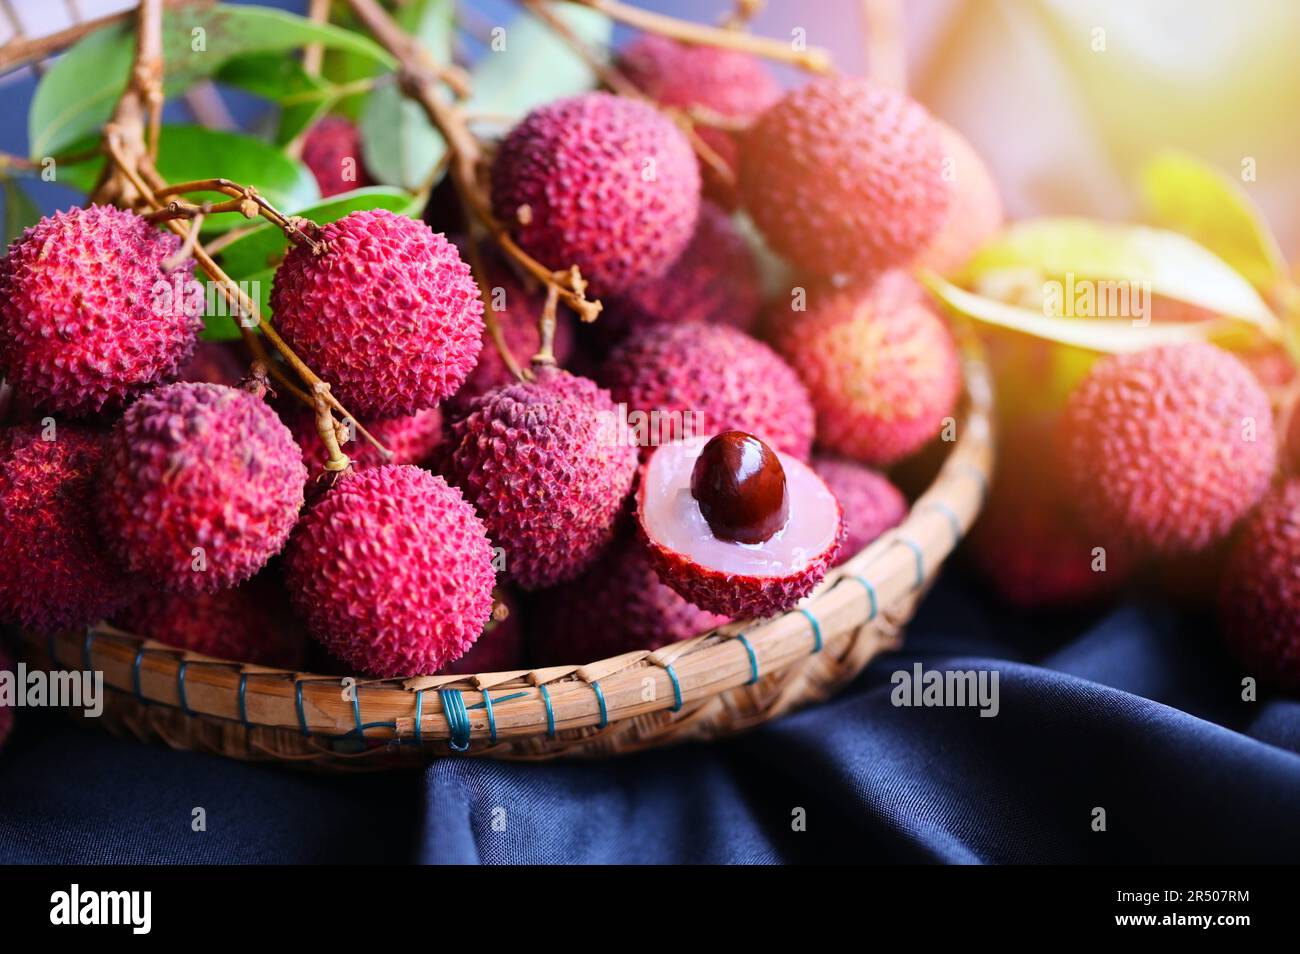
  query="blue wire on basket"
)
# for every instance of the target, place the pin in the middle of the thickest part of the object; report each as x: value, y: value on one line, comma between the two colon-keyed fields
x: 753, y: 659
x: 453, y: 708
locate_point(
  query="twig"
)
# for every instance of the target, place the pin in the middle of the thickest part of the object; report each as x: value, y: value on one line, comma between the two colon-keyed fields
x: 741, y: 14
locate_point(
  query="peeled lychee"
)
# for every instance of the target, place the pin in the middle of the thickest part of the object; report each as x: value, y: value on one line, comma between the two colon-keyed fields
x: 88, y: 316
x: 1260, y: 599
x: 500, y: 648
x: 684, y: 380
x: 388, y: 314
x: 728, y: 83
x: 1167, y: 448
x: 618, y: 606
x: 715, y: 281
x: 695, y: 556
x: 845, y: 176
x: 392, y: 571
x: 200, y: 487
x: 54, y: 573
x: 547, y: 467
x: 411, y: 439
x: 871, y: 504
x: 332, y: 151
x: 974, y: 213
x: 602, y: 182
x: 880, y: 365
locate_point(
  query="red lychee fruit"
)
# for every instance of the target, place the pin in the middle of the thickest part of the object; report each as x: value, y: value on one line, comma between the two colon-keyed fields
x: 1167, y: 448
x: 602, y: 182
x: 88, y: 316
x: 1293, y: 439
x: 387, y: 313
x: 200, y: 487
x: 880, y: 365
x: 54, y: 574
x: 500, y: 648
x: 1260, y: 600
x: 730, y: 84
x: 715, y: 281
x: 714, y: 530
x: 392, y: 571
x: 548, y: 468
x: 871, y: 504
x: 248, y: 623
x: 214, y: 362
x: 332, y: 151
x: 411, y: 439
x: 691, y: 379
x: 974, y: 213
x: 844, y: 176
x: 618, y: 606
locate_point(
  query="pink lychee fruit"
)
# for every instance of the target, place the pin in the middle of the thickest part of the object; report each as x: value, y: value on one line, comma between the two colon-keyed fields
x: 974, y: 213
x: 870, y: 503
x: 332, y: 151
x: 214, y: 362
x: 500, y: 648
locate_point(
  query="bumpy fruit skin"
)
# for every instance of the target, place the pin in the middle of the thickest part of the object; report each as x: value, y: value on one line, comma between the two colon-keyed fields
x: 1154, y: 446
x: 54, y: 574
x: 388, y: 314
x: 546, y: 467
x: 844, y: 176
x: 610, y: 185
x: 715, y: 281
x: 328, y: 145
x: 83, y: 325
x: 248, y: 623
x: 199, y: 466
x: 618, y: 606
x: 974, y: 213
x: 726, y: 82
x: 724, y: 378
x: 871, y: 504
x: 392, y: 571
x: 412, y: 439
x: 499, y: 649
x: 881, y: 367
x: 1260, y: 600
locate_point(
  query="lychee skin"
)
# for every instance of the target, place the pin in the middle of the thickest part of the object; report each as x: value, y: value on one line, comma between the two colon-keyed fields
x: 718, y: 374
x: 54, y: 574
x: 608, y: 184
x: 547, y: 468
x: 881, y: 367
x: 499, y: 649
x: 84, y: 324
x: 388, y: 313
x: 618, y: 606
x: 214, y: 362
x: 871, y: 504
x: 1155, y: 448
x: 392, y: 571
x: 1260, y: 599
x: 199, y: 466
x: 844, y: 176
x: 411, y: 439
x: 974, y: 213
x: 729, y: 83
x: 327, y: 147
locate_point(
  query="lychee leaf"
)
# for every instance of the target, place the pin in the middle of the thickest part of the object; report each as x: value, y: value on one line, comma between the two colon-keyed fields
x: 220, y: 325
x: 20, y: 212
x: 1163, y: 262
x: 1192, y: 197
x: 302, y: 97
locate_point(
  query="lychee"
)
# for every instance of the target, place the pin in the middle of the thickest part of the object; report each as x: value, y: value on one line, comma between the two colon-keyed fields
x: 880, y: 365
x: 1293, y: 439
x: 974, y: 213
x: 392, y: 571
x: 618, y: 606
x: 1167, y: 448
x: 332, y: 151
x: 248, y: 623
x: 387, y: 312
x: 547, y: 467
x: 735, y: 527
x: 730, y: 84
x: 214, y: 362
x: 843, y: 176
x: 200, y: 486
x: 411, y: 439
x: 715, y: 281
x: 602, y: 182
x: 871, y: 504
x: 1260, y: 600
x: 500, y: 648
x: 684, y: 380
x: 89, y: 314
x: 54, y: 574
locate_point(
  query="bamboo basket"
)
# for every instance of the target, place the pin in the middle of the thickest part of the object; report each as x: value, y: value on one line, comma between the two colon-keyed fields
x: 723, y: 682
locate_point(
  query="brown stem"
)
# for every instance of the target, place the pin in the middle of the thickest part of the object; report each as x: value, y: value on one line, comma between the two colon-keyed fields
x: 327, y: 428
x: 21, y: 50
x: 546, y: 328
x: 741, y: 14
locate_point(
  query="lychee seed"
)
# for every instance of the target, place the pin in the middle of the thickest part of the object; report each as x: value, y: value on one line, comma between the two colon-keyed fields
x: 739, y: 484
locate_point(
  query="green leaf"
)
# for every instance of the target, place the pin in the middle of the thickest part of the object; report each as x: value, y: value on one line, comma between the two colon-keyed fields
x: 222, y: 326
x: 1173, y: 265
x: 76, y: 97
x: 20, y: 211
x: 1189, y: 196
x: 303, y: 98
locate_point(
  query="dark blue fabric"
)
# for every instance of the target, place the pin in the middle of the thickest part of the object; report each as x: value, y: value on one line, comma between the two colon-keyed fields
x: 1136, y: 711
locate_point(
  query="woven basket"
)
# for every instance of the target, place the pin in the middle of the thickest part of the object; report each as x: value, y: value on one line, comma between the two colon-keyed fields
x: 712, y: 685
